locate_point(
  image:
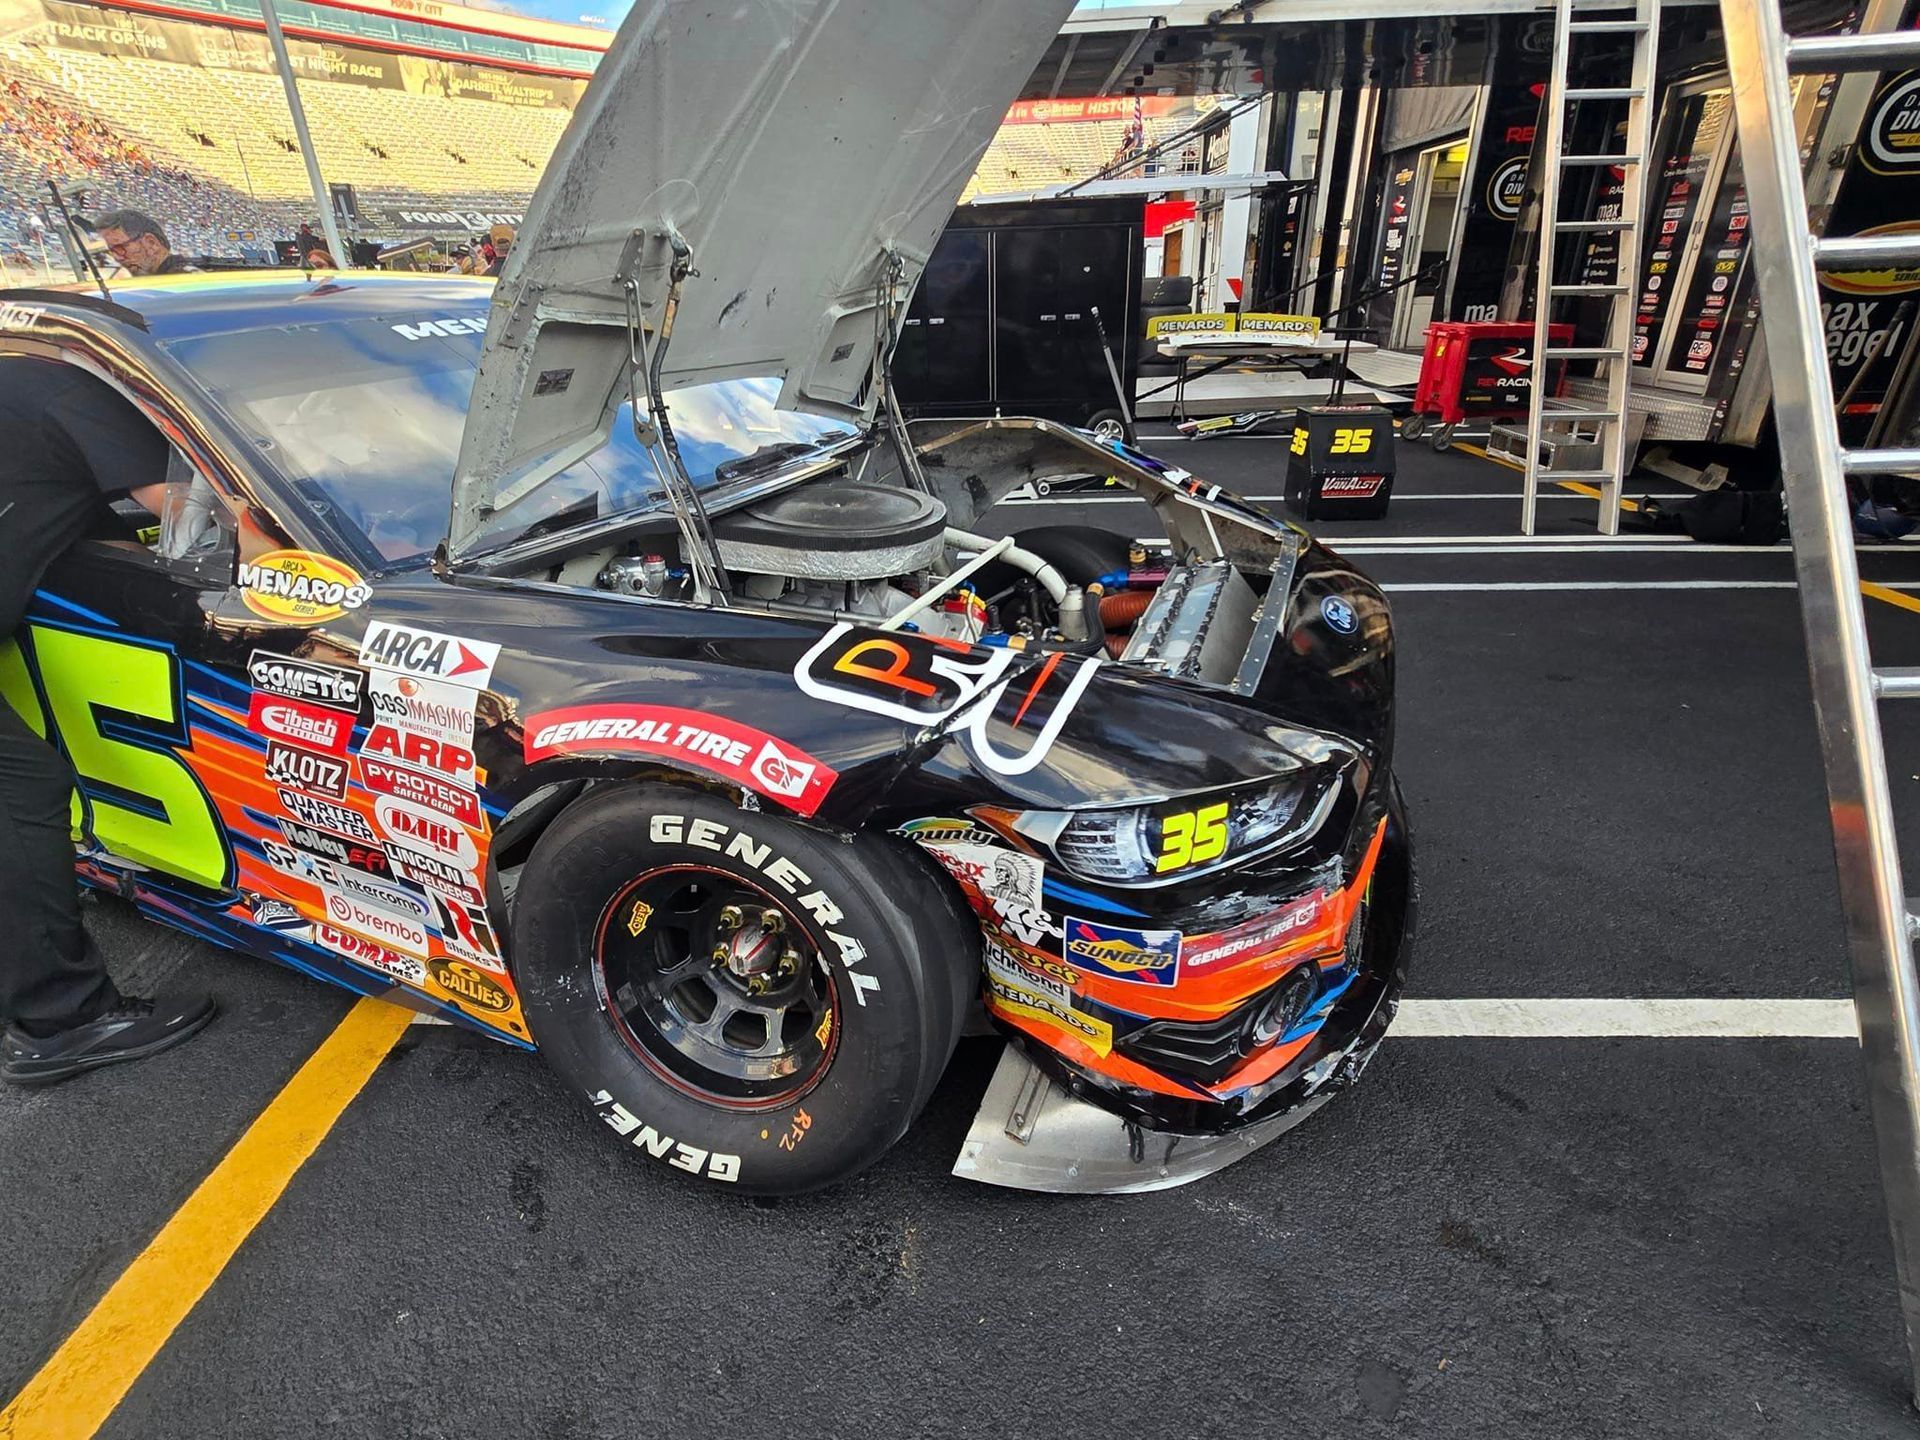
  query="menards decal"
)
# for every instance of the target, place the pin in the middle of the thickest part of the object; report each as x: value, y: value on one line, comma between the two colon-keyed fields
x: 300, y: 588
x: 725, y: 747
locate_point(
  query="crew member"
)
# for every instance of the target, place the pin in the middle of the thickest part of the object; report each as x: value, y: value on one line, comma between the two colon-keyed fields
x: 501, y: 238
x: 137, y: 242
x: 72, y: 443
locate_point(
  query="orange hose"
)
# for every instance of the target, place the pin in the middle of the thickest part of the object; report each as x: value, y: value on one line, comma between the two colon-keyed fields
x: 1119, y: 611
x: 1116, y: 645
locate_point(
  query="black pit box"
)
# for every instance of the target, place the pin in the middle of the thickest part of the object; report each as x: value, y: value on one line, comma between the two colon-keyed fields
x: 1340, y: 465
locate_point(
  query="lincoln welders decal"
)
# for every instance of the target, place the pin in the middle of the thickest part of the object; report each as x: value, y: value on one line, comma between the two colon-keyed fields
x: 726, y: 747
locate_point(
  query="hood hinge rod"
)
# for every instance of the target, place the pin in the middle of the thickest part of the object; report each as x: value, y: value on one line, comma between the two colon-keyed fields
x: 656, y: 433
x: 887, y: 305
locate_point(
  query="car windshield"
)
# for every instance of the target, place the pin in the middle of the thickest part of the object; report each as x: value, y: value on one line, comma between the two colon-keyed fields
x: 365, y: 417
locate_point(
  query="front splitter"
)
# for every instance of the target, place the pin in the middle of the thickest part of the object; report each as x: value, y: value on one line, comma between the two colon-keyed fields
x: 1029, y: 1134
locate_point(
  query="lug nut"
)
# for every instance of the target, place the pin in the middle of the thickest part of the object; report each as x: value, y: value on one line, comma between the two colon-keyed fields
x: 730, y: 918
x: 772, y: 921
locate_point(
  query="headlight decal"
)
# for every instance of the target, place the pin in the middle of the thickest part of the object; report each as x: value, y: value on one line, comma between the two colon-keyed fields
x: 1168, y: 841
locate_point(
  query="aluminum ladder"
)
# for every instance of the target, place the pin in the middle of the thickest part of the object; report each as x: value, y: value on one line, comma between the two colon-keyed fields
x: 1879, y: 922
x: 1594, y: 431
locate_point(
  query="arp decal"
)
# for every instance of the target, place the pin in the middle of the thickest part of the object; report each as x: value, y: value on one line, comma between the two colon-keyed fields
x: 470, y: 986
x: 398, y: 932
x: 363, y: 951
x: 466, y: 934
x: 299, y: 588
x: 922, y: 681
x: 325, y: 815
x: 307, y: 770
x: 422, y: 752
x: 306, y: 680
x: 427, y: 830
x: 341, y: 849
x: 420, y: 706
x: 678, y: 1154
x: 749, y: 757
x: 307, y: 725
x: 1200, y: 954
x: 429, y: 653
x: 1146, y: 957
x: 429, y: 791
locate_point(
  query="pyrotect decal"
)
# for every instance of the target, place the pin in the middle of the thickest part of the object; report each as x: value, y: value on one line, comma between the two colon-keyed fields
x: 725, y: 747
x: 300, y: 588
x: 1146, y: 957
x: 422, y: 752
x: 419, y: 706
x: 429, y: 653
x: 308, y: 680
x: 405, y: 783
x: 325, y: 815
x: 306, y: 770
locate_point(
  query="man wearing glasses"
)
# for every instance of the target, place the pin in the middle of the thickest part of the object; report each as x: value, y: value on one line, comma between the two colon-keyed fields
x: 137, y: 242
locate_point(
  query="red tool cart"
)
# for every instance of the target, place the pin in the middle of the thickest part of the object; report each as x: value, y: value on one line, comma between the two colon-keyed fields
x: 1476, y: 370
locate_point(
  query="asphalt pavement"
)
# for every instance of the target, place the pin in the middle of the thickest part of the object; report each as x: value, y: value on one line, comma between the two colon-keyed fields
x: 1615, y: 794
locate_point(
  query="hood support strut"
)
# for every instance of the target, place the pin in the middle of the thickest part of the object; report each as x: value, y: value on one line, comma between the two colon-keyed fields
x: 656, y: 432
x: 888, y: 302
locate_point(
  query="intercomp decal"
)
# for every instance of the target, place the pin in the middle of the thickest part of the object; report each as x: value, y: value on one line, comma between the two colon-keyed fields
x: 727, y: 748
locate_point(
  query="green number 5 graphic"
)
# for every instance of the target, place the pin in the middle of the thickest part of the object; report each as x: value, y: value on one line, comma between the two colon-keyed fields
x: 118, y: 710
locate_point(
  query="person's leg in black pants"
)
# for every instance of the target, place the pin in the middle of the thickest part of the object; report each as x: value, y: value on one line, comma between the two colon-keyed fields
x: 54, y: 979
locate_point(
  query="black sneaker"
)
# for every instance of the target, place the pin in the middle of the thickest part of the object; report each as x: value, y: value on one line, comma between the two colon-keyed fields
x: 132, y: 1030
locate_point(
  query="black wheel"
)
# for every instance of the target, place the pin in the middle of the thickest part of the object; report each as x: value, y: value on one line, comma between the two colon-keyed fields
x: 1441, y: 440
x: 1413, y: 427
x: 1111, y: 425
x: 738, y: 996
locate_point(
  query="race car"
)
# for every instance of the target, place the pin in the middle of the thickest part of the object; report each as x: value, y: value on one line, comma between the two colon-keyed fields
x: 598, y: 662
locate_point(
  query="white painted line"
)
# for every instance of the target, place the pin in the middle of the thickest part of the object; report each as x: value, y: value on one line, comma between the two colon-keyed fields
x: 1641, y: 1019
x: 1573, y: 546
x: 1448, y: 587
x: 432, y: 1020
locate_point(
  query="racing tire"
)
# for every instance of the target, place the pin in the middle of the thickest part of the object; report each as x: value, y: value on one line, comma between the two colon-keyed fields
x: 622, y: 913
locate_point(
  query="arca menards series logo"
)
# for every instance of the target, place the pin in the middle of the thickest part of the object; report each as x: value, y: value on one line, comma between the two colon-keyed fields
x: 1145, y: 957
x: 300, y: 588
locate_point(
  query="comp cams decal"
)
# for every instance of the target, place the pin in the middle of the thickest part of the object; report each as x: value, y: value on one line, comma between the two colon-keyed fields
x: 363, y: 951
x: 922, y: 681
x: 307, y: 680
x: 749, y: 757
x: 300, y: 588
x: 669, y: 829
x: 429, y: 654
x: 1146, y: 957
x: 690, y: 1158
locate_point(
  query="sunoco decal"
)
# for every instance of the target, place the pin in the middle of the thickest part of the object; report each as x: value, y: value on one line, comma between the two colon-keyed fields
x: 727, y: 748
x: 1146, y: 957
x: 300, y: 588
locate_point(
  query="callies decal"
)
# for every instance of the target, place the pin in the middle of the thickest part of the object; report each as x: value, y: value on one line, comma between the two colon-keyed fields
x: 749, y: 757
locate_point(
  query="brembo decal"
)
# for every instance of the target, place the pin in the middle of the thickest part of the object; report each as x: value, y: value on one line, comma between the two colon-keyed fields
x: 729, y: 749
x: 922, y: 681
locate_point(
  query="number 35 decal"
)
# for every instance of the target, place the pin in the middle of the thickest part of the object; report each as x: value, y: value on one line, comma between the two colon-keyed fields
x: 1192, y: 837
x: 118, y: 710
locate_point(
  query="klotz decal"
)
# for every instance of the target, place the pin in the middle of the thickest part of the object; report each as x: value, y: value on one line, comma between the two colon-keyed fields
x: 306, y: 770
x: 749, y: 757
x: 1145, y: 957
x: 307, y: 680
x: 710, y: 1163
x: 300, y: 588
x: 429, y: 653
x: 1339, y: 615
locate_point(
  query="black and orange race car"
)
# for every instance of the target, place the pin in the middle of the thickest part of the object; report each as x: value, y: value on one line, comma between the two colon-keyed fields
x: 709, y: 748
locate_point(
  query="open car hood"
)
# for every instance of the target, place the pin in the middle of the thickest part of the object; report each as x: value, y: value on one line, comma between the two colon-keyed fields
x: 790, y: 144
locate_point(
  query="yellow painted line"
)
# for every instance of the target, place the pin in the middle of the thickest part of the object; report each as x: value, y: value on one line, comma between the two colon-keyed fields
x: 1579, y: 487
x: 88, y: 1376
x: 1872, y: 592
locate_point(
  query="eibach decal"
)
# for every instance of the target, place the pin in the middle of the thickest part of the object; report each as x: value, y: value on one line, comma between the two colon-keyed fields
x: 740, y: 753
x: 310, y: 726
x: 299, y: 588
x: 921, y: 680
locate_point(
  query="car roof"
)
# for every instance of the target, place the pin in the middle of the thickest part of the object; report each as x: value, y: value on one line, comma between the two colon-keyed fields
x: 218, y: 302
